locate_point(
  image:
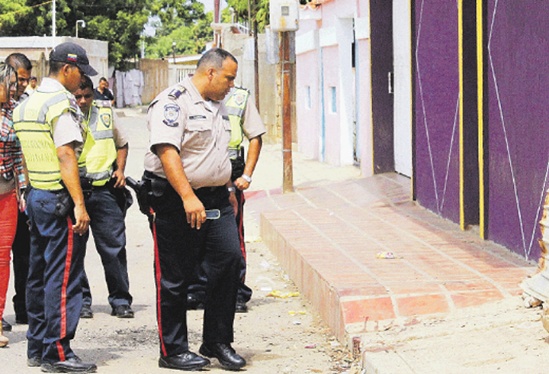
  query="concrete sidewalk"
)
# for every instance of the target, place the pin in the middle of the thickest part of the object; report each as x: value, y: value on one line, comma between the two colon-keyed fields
x: 394, y: 281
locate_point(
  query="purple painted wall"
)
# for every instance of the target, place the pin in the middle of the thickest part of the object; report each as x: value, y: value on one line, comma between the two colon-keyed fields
x: 436, y: 107
x: 518, y: 110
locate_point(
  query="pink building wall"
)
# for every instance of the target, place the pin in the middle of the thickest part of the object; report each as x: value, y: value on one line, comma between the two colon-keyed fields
x: 332, y: 118
x: 307, y: 105
x: 323, y: 133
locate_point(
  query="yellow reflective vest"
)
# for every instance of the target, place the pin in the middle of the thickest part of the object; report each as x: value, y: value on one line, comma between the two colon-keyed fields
x: 236, y: 105
x: 99, y: 152
x: 33, y: 120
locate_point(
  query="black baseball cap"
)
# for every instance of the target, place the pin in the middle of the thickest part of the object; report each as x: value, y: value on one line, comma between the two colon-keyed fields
x: 72, y: 53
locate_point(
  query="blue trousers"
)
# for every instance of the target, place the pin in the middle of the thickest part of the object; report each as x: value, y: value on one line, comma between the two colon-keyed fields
x: 54, y: 292
x: 109, y: 234
x: 177, y: 250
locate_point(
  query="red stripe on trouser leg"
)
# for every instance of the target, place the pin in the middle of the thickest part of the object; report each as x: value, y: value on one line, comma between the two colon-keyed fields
x: 60, y: 351
x: 66, y: 274
x: 158, y: 277
x: 240, y: 226
x: 64, y: 285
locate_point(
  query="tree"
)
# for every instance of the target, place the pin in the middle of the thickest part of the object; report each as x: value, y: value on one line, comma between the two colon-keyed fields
x: 259, y: 8
x: 119, y: 22
x: 182, y: 22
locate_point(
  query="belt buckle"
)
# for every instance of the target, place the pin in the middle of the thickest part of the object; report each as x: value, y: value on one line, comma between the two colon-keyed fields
x: 213, y: 213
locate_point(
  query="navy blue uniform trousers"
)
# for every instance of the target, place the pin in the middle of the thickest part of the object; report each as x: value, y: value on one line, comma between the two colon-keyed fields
x: 21, y: 251
x: 54, y: 292
x: 109, y: 234
x: 177, y: 250
x: 197, y: 288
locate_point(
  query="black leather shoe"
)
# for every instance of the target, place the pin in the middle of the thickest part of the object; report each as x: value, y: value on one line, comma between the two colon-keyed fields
x: 193, y: 303
x: 34, y: 362
x: 188, y: 361
x: 86, y: 311
x: 122, y: 311
x: 241, y: 307
x: 6, y: 326
x: 71, y: 365
x: 226, y: 355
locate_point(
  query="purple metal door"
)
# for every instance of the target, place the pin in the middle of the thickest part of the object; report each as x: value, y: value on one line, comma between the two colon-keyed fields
x: 517, y: 73
x: 436, y: 99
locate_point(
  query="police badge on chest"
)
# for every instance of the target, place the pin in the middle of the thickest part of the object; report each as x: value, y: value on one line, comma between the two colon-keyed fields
x: 171, y: 114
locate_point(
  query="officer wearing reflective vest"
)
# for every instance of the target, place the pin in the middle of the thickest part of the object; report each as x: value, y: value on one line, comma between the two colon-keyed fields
x: 245, y: 122
x: 49, y: 126
x: 101, y: 167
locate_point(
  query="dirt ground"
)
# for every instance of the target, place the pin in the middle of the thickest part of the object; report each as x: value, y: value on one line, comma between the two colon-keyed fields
x: 278, y: 335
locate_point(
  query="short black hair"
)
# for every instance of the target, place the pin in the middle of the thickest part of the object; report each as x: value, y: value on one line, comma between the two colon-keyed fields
x: 86, y: 83
x: 103, y: 79
x: 215, y: 57
x: 18, y: 60
x: 56, y: 66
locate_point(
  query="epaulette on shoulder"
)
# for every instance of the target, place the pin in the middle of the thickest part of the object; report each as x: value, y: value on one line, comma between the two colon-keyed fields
x: 242, y: 88
x: 176, y: 92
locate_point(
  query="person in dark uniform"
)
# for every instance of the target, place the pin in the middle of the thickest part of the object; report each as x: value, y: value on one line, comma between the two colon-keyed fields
x: 49, y: 127
x: 104, y: 184
x: 188, y: 173
x: 245, y: 122
x: 102, y: 92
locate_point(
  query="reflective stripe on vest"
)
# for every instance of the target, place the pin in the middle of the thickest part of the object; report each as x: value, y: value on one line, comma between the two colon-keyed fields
x: 236, y: 104
x: 99, y: 153
x: 33, y: 120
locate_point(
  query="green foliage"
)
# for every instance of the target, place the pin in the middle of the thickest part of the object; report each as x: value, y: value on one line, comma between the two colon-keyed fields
x: 259, y: 8
x: 119, y: 22
x: 183, y: 23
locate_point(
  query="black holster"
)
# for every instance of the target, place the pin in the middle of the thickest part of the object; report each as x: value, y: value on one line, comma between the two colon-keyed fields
x: 123, y: 196
x: 142, y: 189
x: 64, y: 204
x: 238, y: 165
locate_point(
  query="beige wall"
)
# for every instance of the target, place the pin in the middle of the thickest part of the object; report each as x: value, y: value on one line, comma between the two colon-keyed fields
x: 155, y: 74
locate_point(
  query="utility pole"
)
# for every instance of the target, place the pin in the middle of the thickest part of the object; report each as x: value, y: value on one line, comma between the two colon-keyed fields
x: 256, y: 59
x: 252, y: 30
x: 53, y: 19
x: 217, y: 37
x: 286, y: 69
x: 284, y: 20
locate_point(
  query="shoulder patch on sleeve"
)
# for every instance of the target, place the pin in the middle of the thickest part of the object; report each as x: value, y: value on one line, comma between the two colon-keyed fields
x: 171, y: 114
